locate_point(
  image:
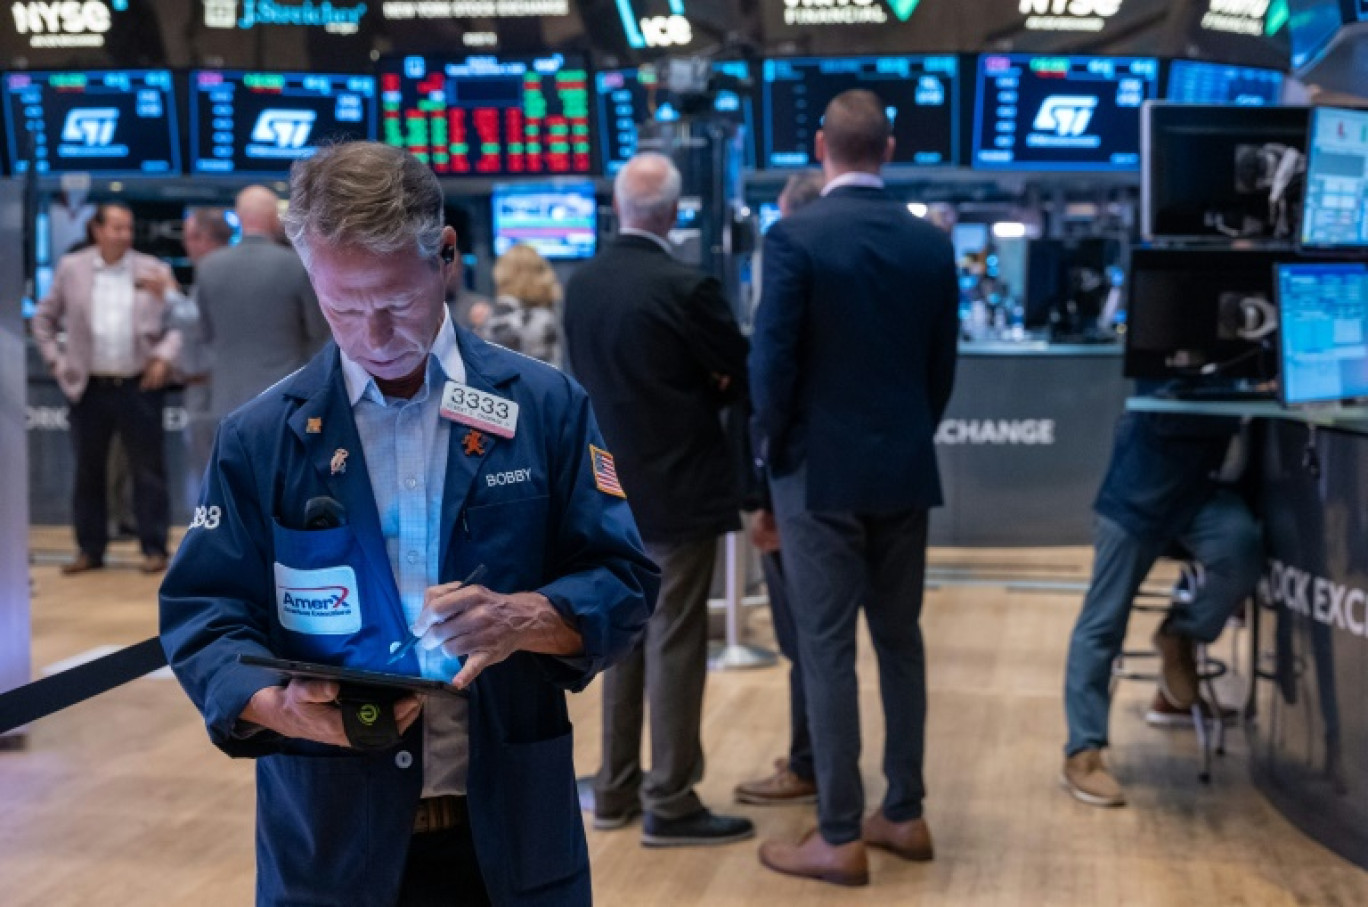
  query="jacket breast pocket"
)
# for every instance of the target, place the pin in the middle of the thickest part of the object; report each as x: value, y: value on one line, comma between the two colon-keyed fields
x: 540, y: 798
x: 518, y: 526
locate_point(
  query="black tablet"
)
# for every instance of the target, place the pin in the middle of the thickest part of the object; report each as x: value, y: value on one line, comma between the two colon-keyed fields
x: 311, y: 671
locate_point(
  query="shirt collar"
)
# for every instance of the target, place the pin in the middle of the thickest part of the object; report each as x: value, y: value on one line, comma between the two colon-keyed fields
x: 658, y: 240
x: 855, y: 179
x: 115, y: 268
x: 444, y: 357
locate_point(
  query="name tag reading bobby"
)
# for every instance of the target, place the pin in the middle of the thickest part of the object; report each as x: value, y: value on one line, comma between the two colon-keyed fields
x: 478, y: 409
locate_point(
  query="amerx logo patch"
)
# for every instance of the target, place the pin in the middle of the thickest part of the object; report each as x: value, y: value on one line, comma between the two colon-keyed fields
x: 317, y: 602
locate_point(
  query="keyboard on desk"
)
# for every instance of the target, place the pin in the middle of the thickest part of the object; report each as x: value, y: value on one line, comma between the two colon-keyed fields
x: 1221, y: 394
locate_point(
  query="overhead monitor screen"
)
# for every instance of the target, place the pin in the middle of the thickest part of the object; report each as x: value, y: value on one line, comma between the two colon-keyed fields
x: 487, y: 115
x: 261, y: 122
x: 1218, y: 83
x: 559, y: 221
x: 626, y: 98
x: 920, y: 94
x: 1061, y: 113
x: 1336, y: 212
x: 1324, y: 332
x: 108, y: 123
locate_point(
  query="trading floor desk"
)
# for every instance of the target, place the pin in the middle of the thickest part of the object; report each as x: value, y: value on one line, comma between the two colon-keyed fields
x: 1025, y: 442
x: 1308, y: 727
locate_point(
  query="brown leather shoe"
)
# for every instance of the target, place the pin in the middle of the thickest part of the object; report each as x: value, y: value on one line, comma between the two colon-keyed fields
x: 1177, y: 668
x: 82, y: 564
x: 814, y: 858
x: 153, y: 563
x: 781, y: 788
x: 910, y: 840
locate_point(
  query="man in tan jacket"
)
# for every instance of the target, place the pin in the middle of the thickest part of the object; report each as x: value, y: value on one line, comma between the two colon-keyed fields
x: 112, y: 364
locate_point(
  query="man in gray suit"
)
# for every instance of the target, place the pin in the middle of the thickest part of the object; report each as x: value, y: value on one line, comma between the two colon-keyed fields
x: 259, y: 316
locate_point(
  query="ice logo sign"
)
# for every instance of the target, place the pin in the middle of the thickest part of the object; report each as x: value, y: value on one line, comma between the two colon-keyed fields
x: 89, y: 132
x: 1067, y: 116
x: 282, y: 133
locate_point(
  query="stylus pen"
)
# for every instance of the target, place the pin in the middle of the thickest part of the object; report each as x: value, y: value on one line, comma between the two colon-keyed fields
x: 407, y: 646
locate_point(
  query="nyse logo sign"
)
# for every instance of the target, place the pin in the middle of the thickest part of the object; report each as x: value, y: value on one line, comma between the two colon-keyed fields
x: 282, y: 131
x: 666, y: 31
x: 1068, y: 15
x: 65, y: 24
x: 1067, y: 116
x: 91, y: 128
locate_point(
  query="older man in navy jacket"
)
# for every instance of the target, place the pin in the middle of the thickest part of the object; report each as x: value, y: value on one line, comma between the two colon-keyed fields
x: 429, y: 453
x: 852, y: 363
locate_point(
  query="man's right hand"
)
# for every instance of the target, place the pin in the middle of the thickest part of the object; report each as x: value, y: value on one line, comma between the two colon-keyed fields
x: 307, y: 710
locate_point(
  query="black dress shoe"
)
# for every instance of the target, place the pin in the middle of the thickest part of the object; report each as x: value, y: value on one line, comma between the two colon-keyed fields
x: 603, y: 821
x: 701, y: 828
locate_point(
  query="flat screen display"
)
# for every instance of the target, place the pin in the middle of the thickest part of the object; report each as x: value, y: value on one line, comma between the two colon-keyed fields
x: 625, y: 98
x: 108, y: 123
x: 1061, y: 113
x: 558, y: 220
x: 1218, y: 83
x: 920, y: 93
x: 488, y: 115
x: 1324, y: 332
x: 261, y: 122
x: 1336, y: 212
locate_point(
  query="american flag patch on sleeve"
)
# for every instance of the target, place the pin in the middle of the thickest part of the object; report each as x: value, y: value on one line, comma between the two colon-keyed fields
x: 605, y: 472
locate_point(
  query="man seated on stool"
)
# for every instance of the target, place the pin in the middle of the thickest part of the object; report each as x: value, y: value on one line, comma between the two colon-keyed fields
x: 1161, y: 488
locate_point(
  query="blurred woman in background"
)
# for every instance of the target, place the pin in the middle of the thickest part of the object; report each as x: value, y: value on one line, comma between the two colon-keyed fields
x: 524, y: 315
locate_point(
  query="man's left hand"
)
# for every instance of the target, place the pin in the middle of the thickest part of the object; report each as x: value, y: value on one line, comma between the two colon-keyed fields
x: 486, y: 627
x: 156, y: 374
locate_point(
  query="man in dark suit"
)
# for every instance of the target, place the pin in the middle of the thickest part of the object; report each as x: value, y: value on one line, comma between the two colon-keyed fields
x: 852, y: 366
x: 656, y: 346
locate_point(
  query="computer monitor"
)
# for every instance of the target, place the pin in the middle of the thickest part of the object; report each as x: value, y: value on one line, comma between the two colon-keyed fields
x: 1336, y: 212
x: 1221, y: 172
x: 626, y: 98
x: 921, y: 94
x: 259, y: 123
x: 107, y: 123
x: 1061, y: 113
x: 558, y: 220
x: 1191, y: 82
x: 1201, y: 313
x: 1323, y: 315
x: 1312, y: 25
x: 489, y: 115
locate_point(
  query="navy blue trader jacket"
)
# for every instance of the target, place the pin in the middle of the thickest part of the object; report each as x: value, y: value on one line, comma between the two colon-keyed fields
x: 334, y: 825
x: 853, y: 355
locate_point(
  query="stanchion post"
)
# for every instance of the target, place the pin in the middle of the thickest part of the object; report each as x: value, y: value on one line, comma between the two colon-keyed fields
x: 734, y: 653
x: 14, y: 508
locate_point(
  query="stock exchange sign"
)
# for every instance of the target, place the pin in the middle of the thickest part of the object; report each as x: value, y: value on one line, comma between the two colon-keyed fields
x: 1068, y: 15
x: 65, y: 24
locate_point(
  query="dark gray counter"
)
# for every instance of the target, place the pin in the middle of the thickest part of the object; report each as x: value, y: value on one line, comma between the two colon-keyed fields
x: 1025, y: 442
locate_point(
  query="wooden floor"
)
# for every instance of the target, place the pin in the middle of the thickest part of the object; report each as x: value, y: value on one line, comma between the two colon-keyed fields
x: 122, y: 800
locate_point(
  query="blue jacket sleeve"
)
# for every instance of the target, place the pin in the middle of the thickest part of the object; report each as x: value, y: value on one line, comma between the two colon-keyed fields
x: 214, y: 600
x: 605, y: 584
x: 775, y: 345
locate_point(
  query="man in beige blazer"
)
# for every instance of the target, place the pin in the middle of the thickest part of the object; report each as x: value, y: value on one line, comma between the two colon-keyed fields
x: 101, y: 331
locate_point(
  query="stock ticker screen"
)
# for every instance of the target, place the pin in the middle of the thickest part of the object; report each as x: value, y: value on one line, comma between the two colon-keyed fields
x: 1336, y: 204
x: 1191, y: 82
x: 921, y: 94
x: 1061, y: 113
x: 101, y: 122
x: 489, y: 116
x: 626, y: 98
x: 261, y: 122
x: 1323, y: 326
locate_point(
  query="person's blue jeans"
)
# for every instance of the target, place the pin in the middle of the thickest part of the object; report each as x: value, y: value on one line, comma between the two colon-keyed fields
x: 1223, y: 537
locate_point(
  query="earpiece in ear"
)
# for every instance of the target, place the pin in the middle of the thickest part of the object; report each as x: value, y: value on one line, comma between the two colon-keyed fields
x: 448, y: 254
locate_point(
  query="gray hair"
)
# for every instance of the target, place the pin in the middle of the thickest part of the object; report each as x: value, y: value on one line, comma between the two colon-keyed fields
x: 647, y: 190
x: 364, y: 194
x: 802, y: 189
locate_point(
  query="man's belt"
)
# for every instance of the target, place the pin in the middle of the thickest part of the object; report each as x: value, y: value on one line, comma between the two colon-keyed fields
x: 439, y: 814
x: 115, y: 380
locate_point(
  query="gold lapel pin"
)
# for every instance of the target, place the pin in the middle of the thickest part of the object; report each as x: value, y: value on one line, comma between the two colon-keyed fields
x: 339, y: 461
x: 315, y: 426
